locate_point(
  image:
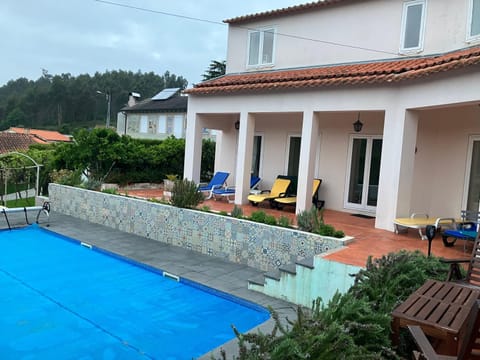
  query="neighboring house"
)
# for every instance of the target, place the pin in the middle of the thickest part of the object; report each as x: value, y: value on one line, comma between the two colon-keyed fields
x: 40, y: 136
x: 10, y: 142
x: 158, y: 117
x: 298, y: 78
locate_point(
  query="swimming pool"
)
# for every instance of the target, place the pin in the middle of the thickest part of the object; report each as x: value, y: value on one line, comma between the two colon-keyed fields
x: 62, y: 300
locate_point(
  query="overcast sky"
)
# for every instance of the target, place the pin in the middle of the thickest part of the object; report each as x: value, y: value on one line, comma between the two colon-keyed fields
x: 86, y: 36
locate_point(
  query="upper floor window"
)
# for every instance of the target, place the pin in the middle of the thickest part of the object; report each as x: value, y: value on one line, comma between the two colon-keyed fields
x: 413, y: 24
x: 260, y: 46
x: 474, y: 20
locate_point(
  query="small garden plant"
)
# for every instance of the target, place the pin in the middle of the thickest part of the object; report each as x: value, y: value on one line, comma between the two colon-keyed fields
x: 237, y: 212
x: 312, y: 221
x: 185, y: 194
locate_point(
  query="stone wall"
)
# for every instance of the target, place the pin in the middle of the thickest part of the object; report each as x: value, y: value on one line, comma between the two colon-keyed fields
x: 257, y: 245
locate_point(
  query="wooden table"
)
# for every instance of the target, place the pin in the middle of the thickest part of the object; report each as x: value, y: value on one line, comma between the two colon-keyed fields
x: 442, y: 310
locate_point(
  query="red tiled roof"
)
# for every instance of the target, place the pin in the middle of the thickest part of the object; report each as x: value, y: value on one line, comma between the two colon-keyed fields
x: 341, y: 75
x: 283, y: 11
x: 43, y: 136
x: 14, y: 142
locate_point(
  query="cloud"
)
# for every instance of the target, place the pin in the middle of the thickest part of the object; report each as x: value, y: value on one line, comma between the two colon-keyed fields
x: 85, y: 36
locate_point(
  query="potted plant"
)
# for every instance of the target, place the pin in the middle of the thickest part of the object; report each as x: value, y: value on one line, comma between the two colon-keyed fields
x: 168, y: 184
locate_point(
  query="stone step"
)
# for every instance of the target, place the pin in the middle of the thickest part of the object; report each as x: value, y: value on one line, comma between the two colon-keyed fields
x: 289, y: 268
x: 274, y: 274
x: 307, y: 262
x: 258, y: 280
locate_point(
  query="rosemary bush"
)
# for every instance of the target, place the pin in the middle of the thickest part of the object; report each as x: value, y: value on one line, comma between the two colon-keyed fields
x: 312, y: 221
x: 185, y: 194
x: 237, y: 212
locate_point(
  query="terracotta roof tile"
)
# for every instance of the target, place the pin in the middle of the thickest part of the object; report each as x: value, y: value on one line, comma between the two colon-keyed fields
x: 283, y: 11
x: 45, y: 136
x: 14, y: 142
x: 376, y: 72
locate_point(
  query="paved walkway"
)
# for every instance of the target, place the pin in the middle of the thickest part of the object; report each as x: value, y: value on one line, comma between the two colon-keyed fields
x: 213, y: 272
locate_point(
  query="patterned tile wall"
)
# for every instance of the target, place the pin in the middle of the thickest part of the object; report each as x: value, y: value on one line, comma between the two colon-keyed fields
x: 257, y: 245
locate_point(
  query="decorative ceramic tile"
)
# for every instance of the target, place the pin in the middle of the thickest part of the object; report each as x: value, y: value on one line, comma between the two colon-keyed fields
x: 261, y: 246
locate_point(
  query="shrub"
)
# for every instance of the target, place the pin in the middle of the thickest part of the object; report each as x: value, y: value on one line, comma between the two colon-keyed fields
x: 325, y: 230
x: 92, y: 184
x: 284, y: 221
x: 223, y: 213
x: 270, y: 220
x: 66, y: 177
x: 110, y: 191
x: 237, y: 212
x: 258, y: 216
x: 205, y: 208
x: 185, y: 194
x: 309, y: 220
x: 312, y: 221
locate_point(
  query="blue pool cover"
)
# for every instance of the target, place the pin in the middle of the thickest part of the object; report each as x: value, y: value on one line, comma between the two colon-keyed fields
x: 60, y: 300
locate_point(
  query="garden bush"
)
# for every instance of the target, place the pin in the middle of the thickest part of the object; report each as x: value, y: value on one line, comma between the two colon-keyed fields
x: 185, y: 194
x: 284, y: 221
x: 237, y: 212
x: 258, y: 216
x: 312, y: 221
x: 270, y: 220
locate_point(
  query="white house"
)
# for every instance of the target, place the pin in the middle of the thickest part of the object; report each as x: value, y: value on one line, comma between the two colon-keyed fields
x: 299, y: 77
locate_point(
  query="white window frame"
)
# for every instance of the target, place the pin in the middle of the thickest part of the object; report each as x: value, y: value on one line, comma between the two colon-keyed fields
x: 471, y: 140
x: 470, y: 37
x: 262, y: 32
x: 406, y: 5
x: 366, y: 178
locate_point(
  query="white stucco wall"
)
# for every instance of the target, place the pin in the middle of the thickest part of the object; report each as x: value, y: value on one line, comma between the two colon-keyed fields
x: 355, y: 27
x: 440, y: 161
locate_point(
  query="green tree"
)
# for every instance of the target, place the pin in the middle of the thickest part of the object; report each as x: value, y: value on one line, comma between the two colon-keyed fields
x: 215, y: 69
x: 15, y: 117
x: 68, y: 102
x: 95, y: 152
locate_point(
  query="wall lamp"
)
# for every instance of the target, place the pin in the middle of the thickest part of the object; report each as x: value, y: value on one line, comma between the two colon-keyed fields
x: 237, y: 125
x: 357, y: 125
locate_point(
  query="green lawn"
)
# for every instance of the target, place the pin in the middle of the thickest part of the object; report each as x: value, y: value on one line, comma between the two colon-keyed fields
x: 21, y: 202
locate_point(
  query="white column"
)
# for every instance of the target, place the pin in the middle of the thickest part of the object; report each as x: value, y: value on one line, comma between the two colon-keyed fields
x: 193, y: 147
x: 306, y: 168
x: 244, y: 157
x: 397, y: 166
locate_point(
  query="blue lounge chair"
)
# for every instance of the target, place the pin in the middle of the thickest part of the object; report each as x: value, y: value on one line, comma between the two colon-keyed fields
x: 230, y: 190
x: 217, y: 182
x: 467, y: 229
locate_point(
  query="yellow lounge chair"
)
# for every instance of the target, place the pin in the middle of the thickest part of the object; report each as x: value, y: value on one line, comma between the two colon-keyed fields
x: 420, y: 222
x: 292, y: 200
x: 279, y: 188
